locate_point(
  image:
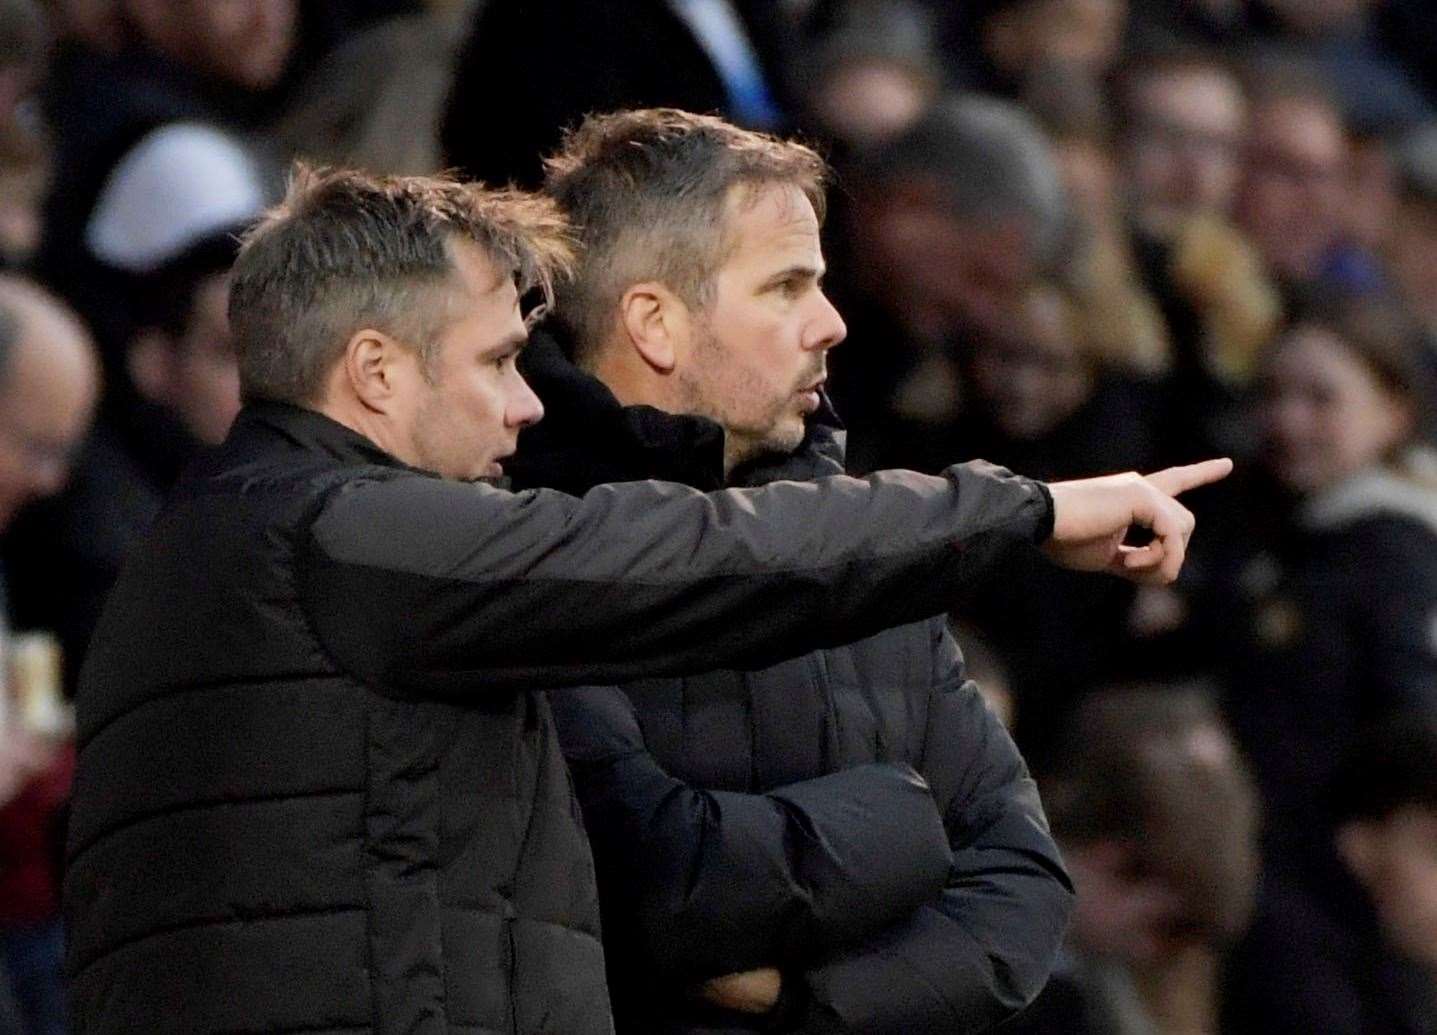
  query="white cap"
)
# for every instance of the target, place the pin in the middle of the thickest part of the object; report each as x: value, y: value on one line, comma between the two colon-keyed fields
x: 181, y: 183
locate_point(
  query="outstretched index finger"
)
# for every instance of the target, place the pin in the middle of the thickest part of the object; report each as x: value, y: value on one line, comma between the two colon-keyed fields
x: 1174, y: 481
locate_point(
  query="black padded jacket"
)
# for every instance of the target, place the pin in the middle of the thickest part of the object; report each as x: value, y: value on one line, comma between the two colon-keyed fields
x: 854, y: 816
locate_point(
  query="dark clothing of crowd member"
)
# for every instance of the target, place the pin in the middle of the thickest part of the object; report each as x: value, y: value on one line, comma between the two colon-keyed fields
x: 1315, y: 961
x: 603, y: 57
x: 1326, y: 626
x: 315, y: 666
x: 1060, y: 635
x: 1329, y: 629
x: 854, y: 817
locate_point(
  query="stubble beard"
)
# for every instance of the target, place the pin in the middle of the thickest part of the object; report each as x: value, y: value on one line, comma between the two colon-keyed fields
x: 725, y: 391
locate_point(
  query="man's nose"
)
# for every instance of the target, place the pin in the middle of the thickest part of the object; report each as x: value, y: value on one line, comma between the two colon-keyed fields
x: 828, y: 328
x: 524, y: 406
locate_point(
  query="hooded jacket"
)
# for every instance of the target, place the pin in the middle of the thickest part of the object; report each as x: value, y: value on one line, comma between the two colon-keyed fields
x: 313, y: 793
x: 853, y: 816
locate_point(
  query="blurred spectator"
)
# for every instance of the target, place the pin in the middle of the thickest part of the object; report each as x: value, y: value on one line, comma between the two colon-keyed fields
x: 24, y: 163
x: 164, y: 228
x: 1340, y: 38
x: 1122, y: 322
x: 23, y: 46
x: 375, y: 101
x: 1365, y: 961
x: 998, y: 45
x: 48, y: 385
x: 532, y: 68
x: 1342, y: 597
x: 950, y: 225
x: 213, y: 65
x: 1157, y: 819
x: 1296, y: 183
x: 871, y: 74
x: 1413, y: 244
x: 178, y: 390
x: 183, y: 359
x: 1186, y: 122
x: 1037, y: 400
x: 1386, y: 808
x: 1325, y: 624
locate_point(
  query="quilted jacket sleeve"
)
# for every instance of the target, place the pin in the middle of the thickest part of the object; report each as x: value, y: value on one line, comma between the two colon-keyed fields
x: 985, y: 947
x: 443, y: 589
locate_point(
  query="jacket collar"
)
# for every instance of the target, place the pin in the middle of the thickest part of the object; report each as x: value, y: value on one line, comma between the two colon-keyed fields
x: 588, y: 437
x: 310, y: 431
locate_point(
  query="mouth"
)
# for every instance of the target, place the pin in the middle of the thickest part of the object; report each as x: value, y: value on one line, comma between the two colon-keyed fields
x: 496, y: 466
x: 810, y: 395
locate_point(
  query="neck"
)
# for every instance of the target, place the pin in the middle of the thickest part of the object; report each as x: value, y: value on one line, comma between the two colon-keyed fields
x: 360, y: 419
x: 635, y: 383
x: 631, y: 383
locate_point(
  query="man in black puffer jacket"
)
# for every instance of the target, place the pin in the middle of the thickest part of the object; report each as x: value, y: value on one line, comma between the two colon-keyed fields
x: 847, y: 841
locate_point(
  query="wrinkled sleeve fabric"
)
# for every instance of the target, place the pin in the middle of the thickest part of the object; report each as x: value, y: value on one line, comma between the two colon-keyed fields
x: 706, y: 883
x: 432, y: 588
x: 985, y: 947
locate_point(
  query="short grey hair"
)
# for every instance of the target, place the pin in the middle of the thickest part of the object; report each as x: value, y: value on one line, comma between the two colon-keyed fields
x: 647, y: 192
x: 346, y: 250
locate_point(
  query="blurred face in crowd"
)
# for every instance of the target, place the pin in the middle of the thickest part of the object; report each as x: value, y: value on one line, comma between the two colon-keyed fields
x: 1032, y: 380
x: 757, y: 354
x: 1080, y: 34
x: 469, y: 400
x: 48, y: 388
x: 865, y: 103
x: 247, y: 42
x: 1370, y: 211
x: 196, y: 375
x: 1395, y: 859
x: 1190, y: 875
x: 1184, y: 145
x: 1292, y: 198
x: 947, y: 276
x: 1413, y: 257
x: 1325, y: 414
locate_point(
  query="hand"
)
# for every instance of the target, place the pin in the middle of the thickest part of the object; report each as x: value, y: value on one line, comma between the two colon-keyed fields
x: 1091, y: 516
x: 752, y: 991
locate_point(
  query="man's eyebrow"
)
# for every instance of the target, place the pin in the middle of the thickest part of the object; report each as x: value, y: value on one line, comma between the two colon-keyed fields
x: 512, y: 343
x: 798, y: 271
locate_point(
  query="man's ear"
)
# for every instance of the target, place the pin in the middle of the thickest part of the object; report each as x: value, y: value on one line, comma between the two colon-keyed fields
x: 655, y: 323
x: 151, y: 364
x: 377, y: 368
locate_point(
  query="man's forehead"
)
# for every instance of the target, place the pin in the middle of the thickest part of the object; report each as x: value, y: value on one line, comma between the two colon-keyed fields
x: 771, y: 217
x: 481, y: 276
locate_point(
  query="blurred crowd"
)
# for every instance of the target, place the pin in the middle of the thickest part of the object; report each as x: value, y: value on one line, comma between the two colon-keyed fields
x: 1068, y: 236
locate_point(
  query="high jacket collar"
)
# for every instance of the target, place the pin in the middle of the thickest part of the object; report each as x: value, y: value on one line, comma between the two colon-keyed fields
x: 310, y: 431
x: 588, y: 437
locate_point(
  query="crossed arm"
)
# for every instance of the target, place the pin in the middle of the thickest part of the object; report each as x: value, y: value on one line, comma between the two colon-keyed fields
x: 883, y: 913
